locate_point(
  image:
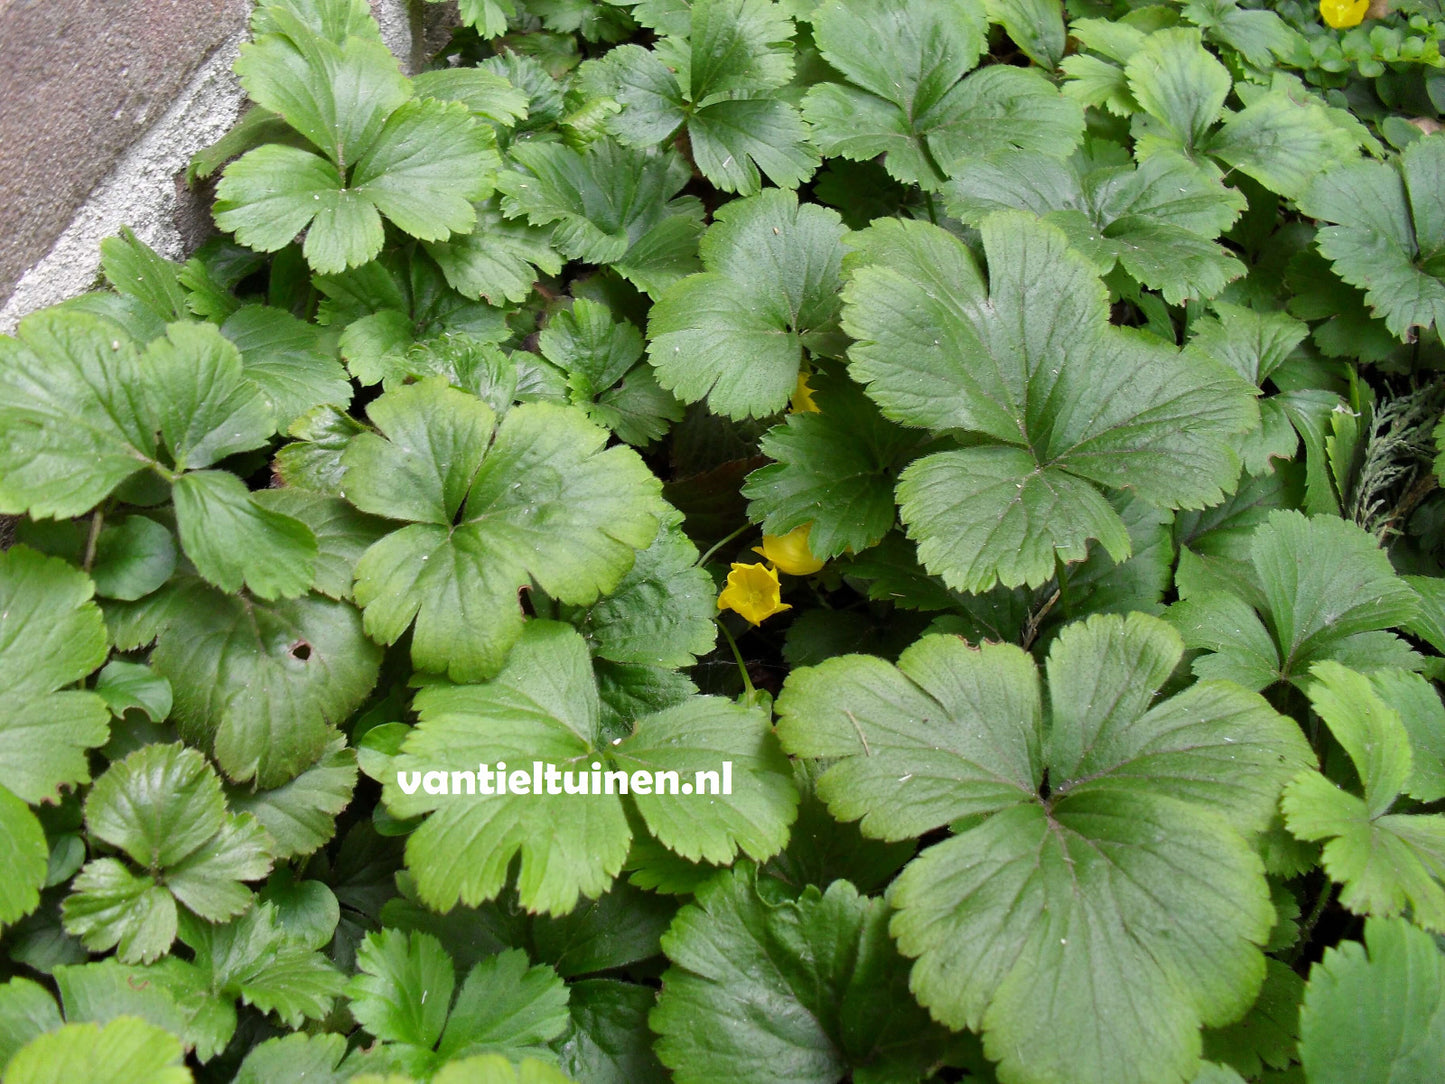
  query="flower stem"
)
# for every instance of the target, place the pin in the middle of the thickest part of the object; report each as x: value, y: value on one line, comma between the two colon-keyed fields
x: 738, y: 658
x: 719, y: 544
x: 97, y: 520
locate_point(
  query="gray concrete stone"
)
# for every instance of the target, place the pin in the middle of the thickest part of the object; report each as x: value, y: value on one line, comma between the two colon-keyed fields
x: 104, y: 103
x: 144, y: 190
x: 80, y: 82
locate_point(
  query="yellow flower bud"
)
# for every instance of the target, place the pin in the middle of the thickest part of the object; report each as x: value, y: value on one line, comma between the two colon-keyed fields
x: 1343, y: 14
x: 790, y: 553
x: 803, y: 397
x: 754, y: 592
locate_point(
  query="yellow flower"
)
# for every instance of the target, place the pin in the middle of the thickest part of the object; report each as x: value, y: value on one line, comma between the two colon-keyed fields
x: 803, y: 398
x: 754, y: 592
x: 1343, y: 14
x: 790, y: 552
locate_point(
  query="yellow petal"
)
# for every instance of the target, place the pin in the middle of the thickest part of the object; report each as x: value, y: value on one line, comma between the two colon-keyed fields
x: 803, y: 397
x: 1343, y: 14
x: 754, y: 592
x: 790, y: 553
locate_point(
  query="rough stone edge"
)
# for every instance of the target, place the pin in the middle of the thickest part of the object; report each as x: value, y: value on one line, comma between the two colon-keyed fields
x: 142, y: 191
x: 400, y: 23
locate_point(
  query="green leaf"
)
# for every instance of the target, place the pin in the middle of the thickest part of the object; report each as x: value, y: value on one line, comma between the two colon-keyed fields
x: 23, y: 855
x: 1159, y: 220
x: 111, y: 907
x: 996, y: 109
x: 1376, y: 1018
x: 1030, y: 364
x: 51, y: 636
x: 1124, y: 892
x: 265, y: 685
x: 162, y: 806
x: 26, y: 1011
x: 336, y: 91
x: 427, y: 167
x: 546, y: 504
x: 718, y: 80
x: 254, y: 958
x: 420, y: 163
x: 543, y: 707
x: 611, y: 205
x: 992, y: 515
x: 1258, y: 36
x: 738, y: 46
x: 736, y: 138
x: 499, y: 260
x: 137, y: 270
x: 709, y: 732
x: 335, y: 20
x: 74, y: 419
x: 204, y: 406
x: 770, y: 290
x: 1385, y: 861
x: 171, y: 994
x: 287, y: 360
x: 418, y: 469
x: 342, y: 533
x: 313, y: 1058
x: 1036, y: 26
x: 307, y: 911
x: 788, y: 990
x: 822, y: 850
x: 1390, y: 229
x: 609, y: 1042
x: 274, y: 192
x: 638, y: 410
x: 1269, y: 1033
x: 1253, y: 344
x: 506, y: 1006
x: 629, y: 691
x: 207, y: 881
x: 1284, y: 143
x: 495, y: 1069
x: 835, y: 470
x: 134, y: 556
x: 598, y: 354
x: 128, y: 686
x: 1315, y: 588
x: 403, y: 989
x: 313, y: 461
x: 1096, y: 82
x: 125, y: 1051
x: 1418, y: 704
x: 488, y: 16
x: 234, y: 541
x: 395, y: 302
x: 487, y: 95
x: 301, y: 813
x: 593, y: 349
x: 1175, y: 79
x: 619, y: 928
x: 909, y: 101
x: 622, y: 927
x: 654, y: 103
x: 158, y: 805
x: 661, y: 613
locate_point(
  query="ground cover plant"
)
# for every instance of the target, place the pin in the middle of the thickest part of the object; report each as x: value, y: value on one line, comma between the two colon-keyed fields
x: 1001, y: 436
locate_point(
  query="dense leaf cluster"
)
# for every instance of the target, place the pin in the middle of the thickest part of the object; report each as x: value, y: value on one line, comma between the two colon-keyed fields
x: 1061, y: 381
